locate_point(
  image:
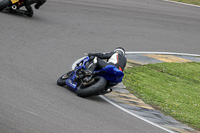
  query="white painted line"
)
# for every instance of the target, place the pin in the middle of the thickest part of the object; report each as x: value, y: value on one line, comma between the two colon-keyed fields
x: 164, y: 53
x: 131, y: 113
x: 30, y: 112
x: 181, y: 3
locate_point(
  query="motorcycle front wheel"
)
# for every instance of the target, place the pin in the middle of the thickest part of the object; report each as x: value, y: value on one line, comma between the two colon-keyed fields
x: 93, y: 88
x: 62, y: 79
x: 4, y: 4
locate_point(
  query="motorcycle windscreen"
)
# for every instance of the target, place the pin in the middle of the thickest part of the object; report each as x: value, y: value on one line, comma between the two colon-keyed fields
x: 112, y: 74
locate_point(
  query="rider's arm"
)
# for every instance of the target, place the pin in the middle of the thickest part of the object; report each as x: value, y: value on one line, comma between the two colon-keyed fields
x: 104, y: 55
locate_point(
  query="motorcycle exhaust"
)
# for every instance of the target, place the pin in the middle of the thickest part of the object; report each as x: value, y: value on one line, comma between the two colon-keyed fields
x: 14, y: 7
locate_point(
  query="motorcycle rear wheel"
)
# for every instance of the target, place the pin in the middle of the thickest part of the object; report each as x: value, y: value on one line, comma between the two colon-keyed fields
x: 4, y: 4
x: 93, y: 88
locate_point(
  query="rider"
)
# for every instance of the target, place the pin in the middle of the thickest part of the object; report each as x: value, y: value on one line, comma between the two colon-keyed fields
x: 116, y: 58
x: 27, y: 4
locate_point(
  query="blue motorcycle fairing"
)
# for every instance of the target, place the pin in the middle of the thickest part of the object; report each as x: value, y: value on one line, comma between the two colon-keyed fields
x: 110, y: 73
x: 82, y: 63
x: 70, y: 81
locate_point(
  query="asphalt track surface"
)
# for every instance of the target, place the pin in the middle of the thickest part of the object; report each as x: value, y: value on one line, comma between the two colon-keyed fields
x: 34, y: 52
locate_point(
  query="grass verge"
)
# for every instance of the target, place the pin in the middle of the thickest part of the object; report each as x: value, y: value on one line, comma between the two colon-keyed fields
x: 194, y: 2
x: 173, y: 88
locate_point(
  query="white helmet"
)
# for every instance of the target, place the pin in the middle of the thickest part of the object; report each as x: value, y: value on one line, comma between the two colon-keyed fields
x: 120, y: 51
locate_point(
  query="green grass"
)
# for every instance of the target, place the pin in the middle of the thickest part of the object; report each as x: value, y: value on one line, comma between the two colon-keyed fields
x: 173, y: 88
x: 195, y: 2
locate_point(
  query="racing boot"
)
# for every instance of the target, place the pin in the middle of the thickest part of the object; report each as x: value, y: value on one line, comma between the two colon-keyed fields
x: 91, y: 67
x: 39, y: 3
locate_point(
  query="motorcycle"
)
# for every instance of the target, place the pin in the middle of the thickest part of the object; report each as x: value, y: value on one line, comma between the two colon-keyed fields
x: 13, y: 5
x: 97, y: 83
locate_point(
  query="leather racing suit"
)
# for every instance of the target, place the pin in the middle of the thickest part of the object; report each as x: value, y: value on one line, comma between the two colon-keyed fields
x: 113, y: 58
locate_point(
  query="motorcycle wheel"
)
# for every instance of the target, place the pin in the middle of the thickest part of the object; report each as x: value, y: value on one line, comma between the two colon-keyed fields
x: 4, y: 4
x: 93, y: 88
x: 62, y: 79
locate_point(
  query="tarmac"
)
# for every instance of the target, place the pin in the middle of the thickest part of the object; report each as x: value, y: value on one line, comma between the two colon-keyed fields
x: 121, y: 96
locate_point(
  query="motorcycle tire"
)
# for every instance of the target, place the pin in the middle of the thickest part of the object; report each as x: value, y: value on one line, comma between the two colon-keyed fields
x: 4, y: 4
x: 62, y: 79
x: 92, y: 89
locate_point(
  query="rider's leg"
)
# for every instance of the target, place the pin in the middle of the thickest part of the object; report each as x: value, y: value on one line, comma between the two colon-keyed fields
x: 101, y: 63
x: 39, y: 3
x: 29, y: 11
x: 92, y: 66
x: 97, y: 64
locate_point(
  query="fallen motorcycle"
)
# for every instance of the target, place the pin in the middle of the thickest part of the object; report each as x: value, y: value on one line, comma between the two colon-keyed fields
x: 97, y: 83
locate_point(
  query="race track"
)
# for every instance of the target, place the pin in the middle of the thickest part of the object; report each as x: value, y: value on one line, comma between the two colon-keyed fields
x: 35, y: 52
